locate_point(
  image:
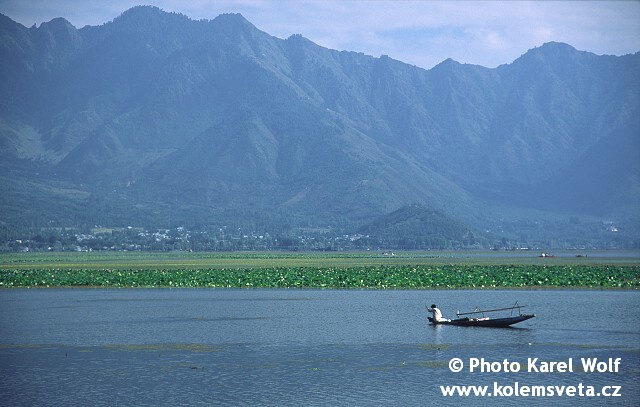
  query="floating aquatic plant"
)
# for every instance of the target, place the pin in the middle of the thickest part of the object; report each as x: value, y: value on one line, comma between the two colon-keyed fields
x: 371, y: 276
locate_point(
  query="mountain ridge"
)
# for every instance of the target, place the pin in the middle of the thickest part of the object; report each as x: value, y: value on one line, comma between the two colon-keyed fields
x: 190, y: 119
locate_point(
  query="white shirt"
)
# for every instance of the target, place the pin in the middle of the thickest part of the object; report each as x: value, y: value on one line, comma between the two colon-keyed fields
x: 437, y: 314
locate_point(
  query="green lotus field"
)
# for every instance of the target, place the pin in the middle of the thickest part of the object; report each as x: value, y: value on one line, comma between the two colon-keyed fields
x: 411, y: 270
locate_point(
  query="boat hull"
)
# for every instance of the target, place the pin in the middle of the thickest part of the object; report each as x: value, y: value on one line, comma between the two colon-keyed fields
x: 488, y: 323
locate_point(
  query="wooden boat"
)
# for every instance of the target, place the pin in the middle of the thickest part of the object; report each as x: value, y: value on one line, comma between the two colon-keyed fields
x: 485, y: 321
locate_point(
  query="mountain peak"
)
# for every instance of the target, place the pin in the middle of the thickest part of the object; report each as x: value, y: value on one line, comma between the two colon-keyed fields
x: 552, y: 55
x: 141, y: 11
x: 298, y: 39
x: 234, y: 22
x: 56, y: 24
x: 140, y: 15
x: 554, y: 50
x: 557, y: 46
x: 447, y: 63
x: 232, y: 18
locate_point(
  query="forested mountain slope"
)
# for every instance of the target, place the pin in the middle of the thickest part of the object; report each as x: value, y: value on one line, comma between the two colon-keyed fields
x: 154, y: 118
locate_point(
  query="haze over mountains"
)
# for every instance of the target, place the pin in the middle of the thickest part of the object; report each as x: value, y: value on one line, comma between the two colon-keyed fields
x: 156, y: 119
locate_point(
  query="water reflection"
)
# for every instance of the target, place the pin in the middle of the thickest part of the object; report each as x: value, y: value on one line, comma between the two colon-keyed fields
x: 437, y: 333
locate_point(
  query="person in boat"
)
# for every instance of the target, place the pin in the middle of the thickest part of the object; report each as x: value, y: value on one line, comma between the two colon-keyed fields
x: 437, y: 314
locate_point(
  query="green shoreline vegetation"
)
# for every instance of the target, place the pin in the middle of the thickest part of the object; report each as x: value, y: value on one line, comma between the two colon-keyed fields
x: 311, y: 270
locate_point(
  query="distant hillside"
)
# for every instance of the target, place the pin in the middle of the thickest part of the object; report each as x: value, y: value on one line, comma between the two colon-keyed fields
x: 156, y: 119
x: 419, y: 227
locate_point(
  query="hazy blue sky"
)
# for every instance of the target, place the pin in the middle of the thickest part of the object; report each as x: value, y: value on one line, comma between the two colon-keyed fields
x: 422, y: 33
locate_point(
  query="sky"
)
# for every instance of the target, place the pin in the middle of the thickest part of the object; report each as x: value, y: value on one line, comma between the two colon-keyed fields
x: 422, y: 33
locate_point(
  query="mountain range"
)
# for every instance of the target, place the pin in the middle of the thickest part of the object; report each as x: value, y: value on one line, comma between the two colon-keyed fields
x: 157, y: 119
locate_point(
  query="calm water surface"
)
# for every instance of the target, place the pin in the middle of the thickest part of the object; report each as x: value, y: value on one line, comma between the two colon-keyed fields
x: 301, y: 347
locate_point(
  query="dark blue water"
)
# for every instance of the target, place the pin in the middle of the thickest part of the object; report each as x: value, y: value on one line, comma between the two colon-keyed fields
x: 302, y: 347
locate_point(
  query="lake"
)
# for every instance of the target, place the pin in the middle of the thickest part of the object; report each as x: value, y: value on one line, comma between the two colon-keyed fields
x: 273, y: 347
